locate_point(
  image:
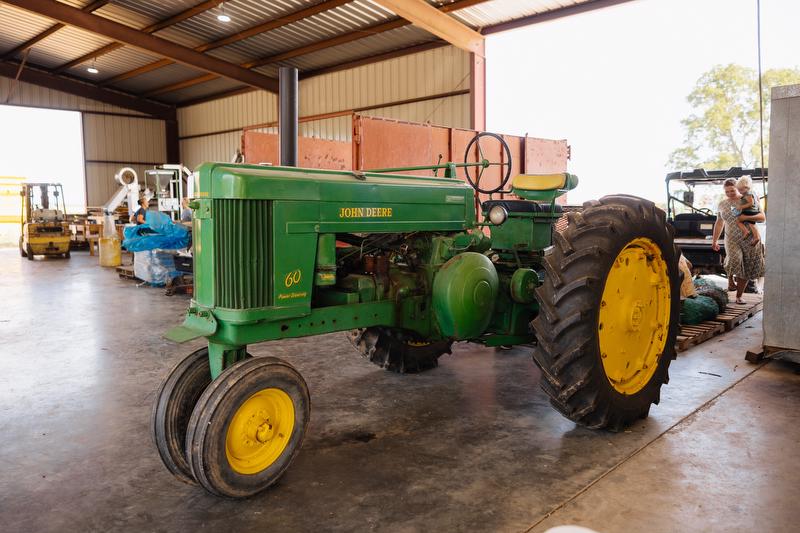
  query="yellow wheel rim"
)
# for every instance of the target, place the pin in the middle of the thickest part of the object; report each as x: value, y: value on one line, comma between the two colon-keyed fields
x: 634, y: 316
x: 259, y: 431
x: 417, y: 344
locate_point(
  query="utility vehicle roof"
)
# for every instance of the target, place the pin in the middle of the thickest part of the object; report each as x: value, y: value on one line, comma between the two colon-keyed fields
x: 700, y: 175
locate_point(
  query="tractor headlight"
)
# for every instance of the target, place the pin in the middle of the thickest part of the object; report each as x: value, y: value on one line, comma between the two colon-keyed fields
x: 497, y: 215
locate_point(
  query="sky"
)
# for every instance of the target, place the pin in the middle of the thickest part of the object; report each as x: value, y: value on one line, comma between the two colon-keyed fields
x: 44, y: 145
x: 613, y: 82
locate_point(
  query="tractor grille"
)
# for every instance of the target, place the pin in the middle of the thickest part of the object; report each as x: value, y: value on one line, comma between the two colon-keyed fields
x: 243, y: 269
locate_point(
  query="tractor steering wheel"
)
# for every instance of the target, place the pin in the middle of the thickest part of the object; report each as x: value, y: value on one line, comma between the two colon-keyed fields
x: 485, y: 163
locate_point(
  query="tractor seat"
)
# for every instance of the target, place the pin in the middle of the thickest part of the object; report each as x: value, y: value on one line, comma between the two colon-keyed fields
x: 544, y: 182
x: 522, y: 206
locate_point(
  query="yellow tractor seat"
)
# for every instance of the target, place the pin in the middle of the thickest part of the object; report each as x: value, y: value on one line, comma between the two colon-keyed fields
x: 543, y: 186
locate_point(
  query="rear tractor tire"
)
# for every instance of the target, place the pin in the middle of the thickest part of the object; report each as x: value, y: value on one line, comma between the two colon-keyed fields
x: 608, y: 312
x: 396, y: 350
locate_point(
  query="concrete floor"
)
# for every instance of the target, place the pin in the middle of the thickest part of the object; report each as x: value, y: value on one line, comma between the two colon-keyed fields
x: 470, y: 446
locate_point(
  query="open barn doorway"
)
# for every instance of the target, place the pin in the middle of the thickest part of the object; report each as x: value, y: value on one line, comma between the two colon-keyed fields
x: 38, y: 145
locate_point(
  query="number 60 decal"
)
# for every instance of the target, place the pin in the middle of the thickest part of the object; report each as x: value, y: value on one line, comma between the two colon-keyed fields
x: 292, y: 278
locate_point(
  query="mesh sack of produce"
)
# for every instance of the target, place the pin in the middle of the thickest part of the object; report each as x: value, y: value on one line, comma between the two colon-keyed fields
x: 704, y: 287
x: 696, y: 310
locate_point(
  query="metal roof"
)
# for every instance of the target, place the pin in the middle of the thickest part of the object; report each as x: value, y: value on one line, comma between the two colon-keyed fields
x: 369, y: 29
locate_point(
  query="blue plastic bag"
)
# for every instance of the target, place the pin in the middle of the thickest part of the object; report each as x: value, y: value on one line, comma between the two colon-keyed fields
x: 158, y: 232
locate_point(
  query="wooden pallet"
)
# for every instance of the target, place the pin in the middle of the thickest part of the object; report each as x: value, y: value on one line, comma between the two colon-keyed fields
x: 126, y: 272
x: 735, y: 313
x: 689, y: 336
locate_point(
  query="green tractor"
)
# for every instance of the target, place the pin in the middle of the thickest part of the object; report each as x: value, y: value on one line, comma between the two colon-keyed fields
x: 406, y: 265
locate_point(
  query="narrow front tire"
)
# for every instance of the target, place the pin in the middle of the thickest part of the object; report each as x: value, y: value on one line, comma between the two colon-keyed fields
x: 247, y: 427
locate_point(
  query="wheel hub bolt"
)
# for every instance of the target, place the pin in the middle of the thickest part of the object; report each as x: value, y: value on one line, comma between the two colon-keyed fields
x: 264, y: 432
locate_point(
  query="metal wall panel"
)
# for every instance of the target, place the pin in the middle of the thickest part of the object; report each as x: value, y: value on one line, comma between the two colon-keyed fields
x: 428, y: 73
x: 120, y: 141
x: 100, y: 183
x: 782, y: 277
x: 453, y: 111
x: 113, y: 138
x: 211, y: 148
x: 255, y: 107
x: 435, y: 71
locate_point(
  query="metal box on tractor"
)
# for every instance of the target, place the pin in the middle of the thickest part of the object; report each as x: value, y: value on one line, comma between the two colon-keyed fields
x: 403, y: 265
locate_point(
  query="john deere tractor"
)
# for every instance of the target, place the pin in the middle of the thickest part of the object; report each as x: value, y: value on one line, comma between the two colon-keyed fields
x: 406, y: 266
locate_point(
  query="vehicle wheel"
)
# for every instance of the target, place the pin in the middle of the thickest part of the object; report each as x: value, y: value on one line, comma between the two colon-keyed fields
x: 29, y: 252
x: 247, y: 427
x: 66, y: 255
x: 397, y: 351
x: 173, y: 407
x: 22, y: 251
x: 609, y: 311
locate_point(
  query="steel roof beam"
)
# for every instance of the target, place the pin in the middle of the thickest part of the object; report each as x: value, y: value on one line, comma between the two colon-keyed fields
x: 124, y: 34
x: 316, y: 46
x: 239, y: 36
x: 152, y: 28
x: 39, y: 76
x: 92, y: 6
x: 553, y: 14
x: 422, y: 14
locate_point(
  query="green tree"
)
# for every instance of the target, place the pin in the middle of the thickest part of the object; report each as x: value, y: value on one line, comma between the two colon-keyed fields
x: 722, y: 130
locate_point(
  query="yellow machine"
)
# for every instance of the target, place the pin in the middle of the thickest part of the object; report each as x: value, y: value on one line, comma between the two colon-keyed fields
x: 45, y: 230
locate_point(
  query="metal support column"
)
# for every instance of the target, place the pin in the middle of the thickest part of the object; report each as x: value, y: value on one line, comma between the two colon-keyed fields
x: 288, y: 115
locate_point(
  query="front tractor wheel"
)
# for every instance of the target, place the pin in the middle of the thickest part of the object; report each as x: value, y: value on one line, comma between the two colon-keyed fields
x: 608, y: 312
x: 397, y: 351
x: 175, y: 400
x: 247, y: 427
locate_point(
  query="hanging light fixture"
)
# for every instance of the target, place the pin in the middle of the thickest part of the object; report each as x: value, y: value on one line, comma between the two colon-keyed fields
x: 92, y: 69
x: 223, y: 17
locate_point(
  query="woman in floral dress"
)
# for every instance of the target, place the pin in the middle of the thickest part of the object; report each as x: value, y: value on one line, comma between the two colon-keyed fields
x: 743, y: 260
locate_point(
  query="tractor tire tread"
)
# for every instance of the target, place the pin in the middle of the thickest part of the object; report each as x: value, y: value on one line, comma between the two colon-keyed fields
x: 567, y: 350
x: 384, y: 347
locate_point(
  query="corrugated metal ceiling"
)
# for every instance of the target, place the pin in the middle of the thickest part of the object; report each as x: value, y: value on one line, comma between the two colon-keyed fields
x: 356, y: 16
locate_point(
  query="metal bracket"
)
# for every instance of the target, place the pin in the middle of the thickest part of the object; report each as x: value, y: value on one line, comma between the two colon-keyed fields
x: 199, y: 322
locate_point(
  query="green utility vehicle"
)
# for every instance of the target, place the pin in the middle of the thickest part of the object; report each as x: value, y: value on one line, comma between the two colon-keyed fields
x: 406, y: 265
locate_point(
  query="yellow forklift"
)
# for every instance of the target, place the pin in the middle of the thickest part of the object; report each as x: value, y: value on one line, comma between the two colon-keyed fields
x: 45, y: 230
